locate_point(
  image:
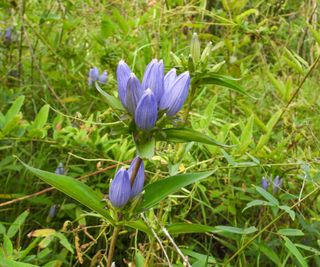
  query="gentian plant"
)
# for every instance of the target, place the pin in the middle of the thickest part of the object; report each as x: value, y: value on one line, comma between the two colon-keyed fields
x: 148, y: 108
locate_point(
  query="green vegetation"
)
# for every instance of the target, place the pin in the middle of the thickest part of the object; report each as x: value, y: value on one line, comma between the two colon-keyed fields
x: 253, y: 111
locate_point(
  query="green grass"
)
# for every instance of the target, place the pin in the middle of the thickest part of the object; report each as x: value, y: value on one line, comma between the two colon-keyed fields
x: 222, y: 220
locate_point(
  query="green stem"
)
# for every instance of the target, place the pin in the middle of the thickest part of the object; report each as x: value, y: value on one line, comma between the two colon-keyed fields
x: 113, y: 245
x: 190, y: 99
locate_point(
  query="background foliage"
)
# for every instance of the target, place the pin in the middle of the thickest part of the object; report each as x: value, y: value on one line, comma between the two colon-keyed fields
x: 49, y: 115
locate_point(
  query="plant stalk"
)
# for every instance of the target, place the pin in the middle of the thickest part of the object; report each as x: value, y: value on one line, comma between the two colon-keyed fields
x: 113, y: 245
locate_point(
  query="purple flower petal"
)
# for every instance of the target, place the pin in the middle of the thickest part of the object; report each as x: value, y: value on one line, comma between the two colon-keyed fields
x: 103, y: 77
x: 133, y: 93
x: 153, y: 78
x: 123, y: 75
x: 93, y: 75
x: 146, y: 113
x: 174, y: 98
x: 168, y: 82
x: 120, y: 189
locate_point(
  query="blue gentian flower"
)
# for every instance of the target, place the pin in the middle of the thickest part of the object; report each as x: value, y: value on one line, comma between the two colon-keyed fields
x: 176, y: 92
x: 94, y: 76
x: 276, y: 184
x: 121, y: 191
x: 153, y: 78
x: 264, y: 183
x: 156, y: 93
x: 60, y: 170
x: 146, y: 113
x: 123, y: 75
x: 133, y: 93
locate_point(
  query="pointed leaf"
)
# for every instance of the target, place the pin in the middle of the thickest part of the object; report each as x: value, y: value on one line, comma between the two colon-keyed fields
x: 181, y: 135
x: 159, y: 190
x: 111, y: 100
x: 74, y: 189
x: 224, y: 81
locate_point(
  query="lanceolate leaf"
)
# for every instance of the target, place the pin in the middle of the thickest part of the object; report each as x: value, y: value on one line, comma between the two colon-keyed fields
x: 74, y: 189
x: 224, y: 81
x: 111, y: 100
x: 181, y: 135
x: 159, y: 190
x: 180, y: 228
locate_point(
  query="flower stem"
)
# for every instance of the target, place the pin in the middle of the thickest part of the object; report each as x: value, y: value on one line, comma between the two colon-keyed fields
x: 190, y: 99
x: 113, y: 245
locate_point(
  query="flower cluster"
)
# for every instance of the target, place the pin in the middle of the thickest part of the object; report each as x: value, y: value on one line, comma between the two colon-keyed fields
x: 157, y: 92
x: 94, y: 76
x: 122, y: 189
x: 276, y: 183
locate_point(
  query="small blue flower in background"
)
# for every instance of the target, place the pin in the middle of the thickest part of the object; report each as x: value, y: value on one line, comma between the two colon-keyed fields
x: 156, y: 93
x: 94, y: 76
x: 60, y: 170
x: 53, y: 211
x: 8, y: 34
x: 264, y: 183
x: 121, y: 191
x: 276, y: 184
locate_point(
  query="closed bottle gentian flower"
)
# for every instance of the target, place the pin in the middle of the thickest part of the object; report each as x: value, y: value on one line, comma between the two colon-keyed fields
x: 146, y: 113
x: 133, y: 93
x: 175, y: 94
x: 153, y: 78
x: 121, y: 191
x: 264, y: 183
x: 60, y: 170
x: 123, y: 75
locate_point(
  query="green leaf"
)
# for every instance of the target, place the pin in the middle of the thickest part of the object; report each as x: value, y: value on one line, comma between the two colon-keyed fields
x: 266, y: 250
x: 246, y: 135
x: 111, y: 100
x: 267, y: 196
x: 159, y: 190
x: 182, y: 228
x: 41, y: 117
x: 146, y: 149
x: 139, y: 225
x: 11, y: 263
x: 224, y: 81
x: 288, y: 210
x: 139, y: 259
x: 64, y: 241
x: 74, y: 189
x: 257, y: 202
x: 290, y: 232
x: 14, y: 109
x: 181, y: 135
x: 15, y: 226
x: 235, y: 230
x: 295, y: 252
x: 316, y: 35
x: 7, y: 246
